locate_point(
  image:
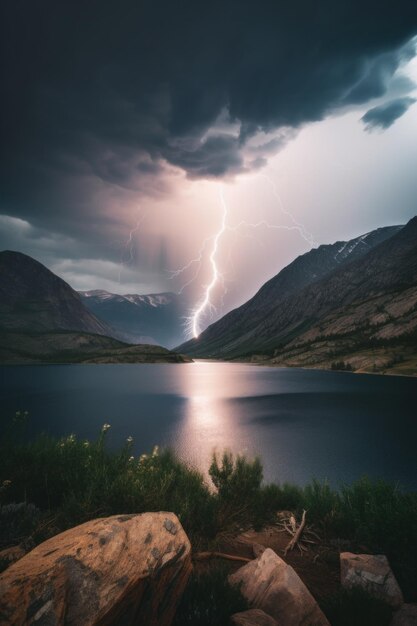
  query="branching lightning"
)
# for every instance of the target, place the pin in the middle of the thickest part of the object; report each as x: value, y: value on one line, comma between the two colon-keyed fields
x: 192, y: 323
x: 305, y: 234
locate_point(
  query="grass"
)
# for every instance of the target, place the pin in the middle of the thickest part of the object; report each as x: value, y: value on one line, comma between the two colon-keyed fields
x: 59, y: 483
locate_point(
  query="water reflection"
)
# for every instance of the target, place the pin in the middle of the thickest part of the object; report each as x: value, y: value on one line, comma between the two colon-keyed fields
x: 209, y: 422
x: 303, y: 423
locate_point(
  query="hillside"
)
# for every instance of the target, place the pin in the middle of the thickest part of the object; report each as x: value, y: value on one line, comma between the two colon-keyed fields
x: 360, y: 315
x: 43, y: 320
x: 73, y: 347
x: 33, y: 299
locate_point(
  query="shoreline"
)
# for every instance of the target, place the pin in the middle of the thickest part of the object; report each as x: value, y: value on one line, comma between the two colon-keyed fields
x: 300, y: 367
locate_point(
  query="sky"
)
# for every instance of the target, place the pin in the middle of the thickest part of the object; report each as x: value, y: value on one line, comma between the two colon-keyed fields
x: 133, y: 134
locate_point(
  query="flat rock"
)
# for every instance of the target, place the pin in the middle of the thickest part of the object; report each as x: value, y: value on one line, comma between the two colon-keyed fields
x: 372, y: 573
x: 253, y: 617
x: 405, y: 616
x: 125, y: 569
x: 270, y: 584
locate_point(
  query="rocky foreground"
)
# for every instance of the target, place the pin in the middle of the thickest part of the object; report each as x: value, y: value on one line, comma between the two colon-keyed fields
x: 133, y: 569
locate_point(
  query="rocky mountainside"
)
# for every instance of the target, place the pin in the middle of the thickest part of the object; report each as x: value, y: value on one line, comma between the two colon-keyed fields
x: 33, y: 299
x: 154, y: 318
x: 366, y: 302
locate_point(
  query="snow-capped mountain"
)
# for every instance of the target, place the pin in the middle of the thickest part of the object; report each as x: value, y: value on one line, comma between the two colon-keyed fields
x: 150, y: 318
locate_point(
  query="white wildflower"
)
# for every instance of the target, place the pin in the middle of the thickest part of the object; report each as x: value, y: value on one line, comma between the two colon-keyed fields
x: 129, y: 439
x: 105, y: 428
x: 155, y: 451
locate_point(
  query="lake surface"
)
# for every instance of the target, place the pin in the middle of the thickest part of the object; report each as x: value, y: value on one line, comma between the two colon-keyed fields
x: 303, y: 423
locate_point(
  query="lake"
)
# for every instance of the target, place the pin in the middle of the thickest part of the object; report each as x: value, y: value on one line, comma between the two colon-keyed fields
x: 303, y: 423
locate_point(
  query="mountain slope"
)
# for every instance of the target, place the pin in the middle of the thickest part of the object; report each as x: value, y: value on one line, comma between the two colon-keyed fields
x: 32, y: 298
x: 154, y: 318
x: 78, y: 347
x: 43, y: 320
x: 257, y: 325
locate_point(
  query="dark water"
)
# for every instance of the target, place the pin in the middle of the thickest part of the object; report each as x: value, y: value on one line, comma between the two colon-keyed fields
x: 304, y: 424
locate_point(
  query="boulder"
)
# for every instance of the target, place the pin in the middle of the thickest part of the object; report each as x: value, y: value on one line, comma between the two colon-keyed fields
x: 253, y: 617
x: 11, y: 555
x: 125, y: 569
x: 371, y: 573
x: 405, y: 616
x: 270, y: 584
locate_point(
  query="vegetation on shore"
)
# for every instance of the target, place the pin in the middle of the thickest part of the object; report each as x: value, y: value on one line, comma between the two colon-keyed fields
x: 59, y: 483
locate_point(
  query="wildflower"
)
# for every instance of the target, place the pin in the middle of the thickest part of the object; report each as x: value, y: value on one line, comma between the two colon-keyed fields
x: 86, y: 443
x: 105, y: 428
x: 7, y: 483
x: 143, y: 458
x: 62, y: 444
x: 131, y: 458
x: 155, y: 451
x: 71, y: 438
x: 129, y: 439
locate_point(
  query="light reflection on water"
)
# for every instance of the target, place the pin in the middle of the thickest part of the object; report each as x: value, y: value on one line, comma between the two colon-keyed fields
x: 302, y: 423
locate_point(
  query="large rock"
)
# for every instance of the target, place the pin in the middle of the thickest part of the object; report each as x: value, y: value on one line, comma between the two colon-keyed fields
x: 270, y: 584
x: 125, y: 569
x: 253, y: 617
x: 373, y: 574
x: 405, y: 616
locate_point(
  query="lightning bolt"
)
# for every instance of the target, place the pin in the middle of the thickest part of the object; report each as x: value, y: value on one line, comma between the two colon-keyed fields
x: 195, y: 318
x: 193, y: 321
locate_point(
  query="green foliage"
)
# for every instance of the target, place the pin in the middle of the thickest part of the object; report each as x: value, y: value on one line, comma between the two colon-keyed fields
x: 70, y: 481
x: 356, y: 607
x: 209, y: 600
x: 80, y: 480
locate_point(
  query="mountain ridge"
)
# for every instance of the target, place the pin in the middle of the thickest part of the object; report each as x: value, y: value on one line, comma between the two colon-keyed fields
x: 390, y: 266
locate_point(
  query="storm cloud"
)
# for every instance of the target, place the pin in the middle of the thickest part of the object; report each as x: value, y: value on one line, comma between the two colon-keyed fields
x: 384, y: 115
x: 113, y: 93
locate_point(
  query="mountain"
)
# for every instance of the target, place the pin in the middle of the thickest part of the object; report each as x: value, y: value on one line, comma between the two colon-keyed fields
x: 351, y: 305
x: 43, y: 320
x: 32, y: 298
x: 154, y: 318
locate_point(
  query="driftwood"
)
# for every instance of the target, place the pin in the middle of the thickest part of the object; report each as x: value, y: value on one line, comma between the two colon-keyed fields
x: 203, y: 556
x: 297, y: 534
x: 301, y: 534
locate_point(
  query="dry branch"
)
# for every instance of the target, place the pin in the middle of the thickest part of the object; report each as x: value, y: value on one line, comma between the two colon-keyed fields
x: 203, y: 556
x: 295, y: 540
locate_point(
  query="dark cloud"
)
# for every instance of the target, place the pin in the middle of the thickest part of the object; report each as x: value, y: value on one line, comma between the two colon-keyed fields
x: 98, y: 93
x: 386, y: 114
